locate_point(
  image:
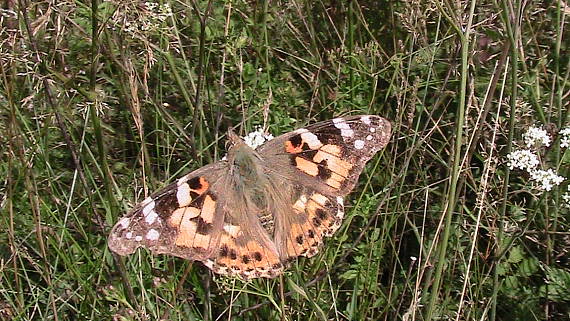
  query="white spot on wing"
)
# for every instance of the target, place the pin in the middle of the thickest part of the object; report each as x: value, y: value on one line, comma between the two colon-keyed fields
x: 358, y: 144
x: 148, y: 207
x: 146, y: 201
x: 372, y: 129
x: 182, y: 180
x: 340, y: 123
x: 138, y: 238
x: 340, y: 200
x: 209, y: 263
x: 312, y: 140
x: 340, y: 214
x: 365, y: 119
x: 124, y: 222
x: 129, y: 235
x: 347, y: 132
x: 183, y: 195
x: 344, y: 127
x: 151, y: 217
x: 152, y: 235
x: 369, y: 137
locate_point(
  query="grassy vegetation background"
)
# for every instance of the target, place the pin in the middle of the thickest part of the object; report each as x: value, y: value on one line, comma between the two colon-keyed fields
x: 103, y: 102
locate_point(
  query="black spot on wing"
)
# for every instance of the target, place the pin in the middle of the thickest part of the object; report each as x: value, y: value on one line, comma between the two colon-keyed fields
x: 296, y: 140
x: 321, y: 214
x: 166, y: 201
x: 311, y: 233
x: 317, y: 221
x: 324, y: 172
x: 257, y: 256
x: 224, y: 250
x: 194, y: 183
x: 202, y: 227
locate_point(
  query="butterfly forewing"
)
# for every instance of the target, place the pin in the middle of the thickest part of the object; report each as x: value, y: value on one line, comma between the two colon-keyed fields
x: 322, y: 163
x: 181, y: 219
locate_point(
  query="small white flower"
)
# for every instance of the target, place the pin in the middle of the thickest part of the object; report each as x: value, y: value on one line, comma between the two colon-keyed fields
x: 257, y: 138
x: 536, y: 137
x: 150, y: 5
x: 546, y: 179
x: 523, y: 159
x: 565, y: 137
x: 566, y: 198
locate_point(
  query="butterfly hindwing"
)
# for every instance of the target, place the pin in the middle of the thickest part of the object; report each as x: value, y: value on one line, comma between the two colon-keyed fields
x: 312, y: 217
x: 245, y: 247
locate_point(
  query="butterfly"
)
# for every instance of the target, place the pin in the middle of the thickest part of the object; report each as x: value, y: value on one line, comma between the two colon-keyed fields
x: 254, y: 212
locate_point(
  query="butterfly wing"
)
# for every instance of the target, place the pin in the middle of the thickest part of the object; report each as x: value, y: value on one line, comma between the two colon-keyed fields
x: 245, y: 247
x: 200, y: 217
x: 332, y: 152
x: 321, y: 163
x: 183, y: 219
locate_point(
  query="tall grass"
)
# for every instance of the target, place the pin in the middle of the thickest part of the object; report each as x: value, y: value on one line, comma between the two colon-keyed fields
x: 103, y: 102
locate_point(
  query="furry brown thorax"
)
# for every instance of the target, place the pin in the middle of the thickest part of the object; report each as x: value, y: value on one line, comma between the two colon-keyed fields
x: 250, y: 180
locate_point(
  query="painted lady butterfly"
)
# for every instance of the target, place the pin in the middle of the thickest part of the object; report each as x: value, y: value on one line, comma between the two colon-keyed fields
x: 251, y: 214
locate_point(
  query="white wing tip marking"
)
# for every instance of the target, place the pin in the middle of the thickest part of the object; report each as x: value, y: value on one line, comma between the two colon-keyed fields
x: 152, y: 235
x: 359, y: 144
x: 146, y: 201
x: 346, y: 132
x: 150, y: 217
x: 148, y: 207
x: 124, y: 222
x: 183, y: 195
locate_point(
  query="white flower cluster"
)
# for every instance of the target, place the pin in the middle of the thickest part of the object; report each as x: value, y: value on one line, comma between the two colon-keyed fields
x: 565, y: 137
x: 536, y: 137
x: 528, y: 160
x: 257, y: 138
x: 523, y: 159
x: 151, y: 18
x: 547, y: 179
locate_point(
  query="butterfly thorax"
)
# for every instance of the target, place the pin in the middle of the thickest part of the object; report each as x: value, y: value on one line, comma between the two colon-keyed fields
x: 251, y: 182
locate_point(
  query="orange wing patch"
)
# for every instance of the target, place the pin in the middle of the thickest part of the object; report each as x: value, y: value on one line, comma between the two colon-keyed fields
x: 321, y: 217
x: 316, y: 159
x: 194, y: 223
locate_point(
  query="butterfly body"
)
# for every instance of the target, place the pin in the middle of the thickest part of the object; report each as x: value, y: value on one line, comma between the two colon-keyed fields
x: 251, y: 214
